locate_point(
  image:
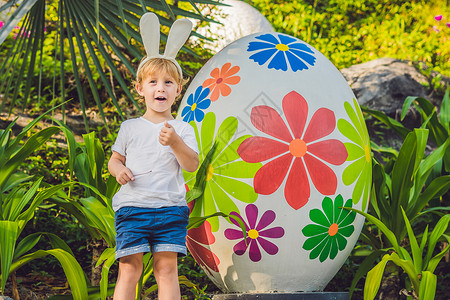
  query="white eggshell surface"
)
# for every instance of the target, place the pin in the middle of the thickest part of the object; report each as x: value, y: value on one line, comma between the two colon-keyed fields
x: 283, y: 147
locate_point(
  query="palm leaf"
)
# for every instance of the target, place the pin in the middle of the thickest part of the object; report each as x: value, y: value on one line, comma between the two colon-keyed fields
x: 15, y: 18
x: 72, y: 270
x: 95, y: 37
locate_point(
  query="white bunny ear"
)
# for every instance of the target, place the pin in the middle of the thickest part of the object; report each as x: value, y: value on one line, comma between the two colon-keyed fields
x: 178, y: 35
x: 149, y: 25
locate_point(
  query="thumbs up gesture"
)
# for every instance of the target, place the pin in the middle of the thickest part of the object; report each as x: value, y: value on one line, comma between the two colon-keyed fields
x: 167, y: 135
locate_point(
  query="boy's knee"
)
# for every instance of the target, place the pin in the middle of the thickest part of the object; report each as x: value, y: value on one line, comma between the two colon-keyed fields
x: 131, y: 266
x: 165, y: 267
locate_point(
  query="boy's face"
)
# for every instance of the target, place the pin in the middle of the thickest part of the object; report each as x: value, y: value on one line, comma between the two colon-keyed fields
x: 159, y: 91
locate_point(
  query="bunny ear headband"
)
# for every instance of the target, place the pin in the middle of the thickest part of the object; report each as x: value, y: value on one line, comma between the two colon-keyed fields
x: 178, y: 35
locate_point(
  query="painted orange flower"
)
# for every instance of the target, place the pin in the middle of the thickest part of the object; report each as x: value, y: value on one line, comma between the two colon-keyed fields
x: 220, y: 81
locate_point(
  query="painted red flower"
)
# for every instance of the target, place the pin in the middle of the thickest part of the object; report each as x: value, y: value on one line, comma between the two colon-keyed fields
x: 303, y: 153
x: 198, y: 241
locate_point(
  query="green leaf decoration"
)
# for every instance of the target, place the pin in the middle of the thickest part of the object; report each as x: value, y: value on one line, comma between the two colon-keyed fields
x: 221, y: 172
x: 332, y: 226
x: 359, y: 153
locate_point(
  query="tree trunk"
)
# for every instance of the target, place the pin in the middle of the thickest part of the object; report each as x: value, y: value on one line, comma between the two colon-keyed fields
x: 15, y: 291
x: 390, y: 284
x: 98, y: 246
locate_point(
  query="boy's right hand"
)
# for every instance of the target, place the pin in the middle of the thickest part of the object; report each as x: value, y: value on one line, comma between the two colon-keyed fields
x: 124, y: 176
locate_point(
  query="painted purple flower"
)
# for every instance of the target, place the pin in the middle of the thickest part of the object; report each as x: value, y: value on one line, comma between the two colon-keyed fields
x: 256, y: 233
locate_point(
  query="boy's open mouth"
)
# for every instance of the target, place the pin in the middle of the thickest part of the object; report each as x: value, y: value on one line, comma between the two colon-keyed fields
x: 160, y: 98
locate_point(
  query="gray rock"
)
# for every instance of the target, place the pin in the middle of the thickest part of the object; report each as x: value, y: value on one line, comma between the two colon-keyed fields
x: 383, y: 84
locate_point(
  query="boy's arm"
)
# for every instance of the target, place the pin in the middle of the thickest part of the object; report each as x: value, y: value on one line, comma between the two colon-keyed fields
x: 186, y: 157
x: 116, y: 166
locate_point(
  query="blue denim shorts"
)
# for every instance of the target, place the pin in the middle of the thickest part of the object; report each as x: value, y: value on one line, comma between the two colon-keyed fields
x: 139, y: 230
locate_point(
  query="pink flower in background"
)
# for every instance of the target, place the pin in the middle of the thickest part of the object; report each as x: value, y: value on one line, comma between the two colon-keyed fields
x: 448, y: 24
x: 1, y: 24
x: 435, y: 28
x: 438, y: 17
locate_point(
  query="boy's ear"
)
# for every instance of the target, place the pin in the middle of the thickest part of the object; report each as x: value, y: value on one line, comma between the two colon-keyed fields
x: 180, y: 87
x: 138, y: 89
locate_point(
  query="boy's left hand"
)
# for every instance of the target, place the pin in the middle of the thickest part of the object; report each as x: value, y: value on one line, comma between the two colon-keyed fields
x: 167, y: 135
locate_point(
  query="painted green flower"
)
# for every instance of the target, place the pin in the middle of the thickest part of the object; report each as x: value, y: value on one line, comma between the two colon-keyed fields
x: 328, y: 236
x: 222, y: 184
x: 360, y: 170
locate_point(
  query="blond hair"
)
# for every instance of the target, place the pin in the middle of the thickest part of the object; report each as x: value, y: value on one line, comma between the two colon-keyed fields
x: 159, y: 65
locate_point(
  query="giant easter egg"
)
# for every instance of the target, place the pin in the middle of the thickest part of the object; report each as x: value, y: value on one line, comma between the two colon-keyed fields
x: 284, y: 150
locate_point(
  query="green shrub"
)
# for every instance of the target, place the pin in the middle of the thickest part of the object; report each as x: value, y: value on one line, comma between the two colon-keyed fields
x: 355, y: 31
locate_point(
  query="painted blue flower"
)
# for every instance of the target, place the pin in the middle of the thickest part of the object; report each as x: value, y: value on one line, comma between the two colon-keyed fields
x: 281, y: 49
x: 196, y: 103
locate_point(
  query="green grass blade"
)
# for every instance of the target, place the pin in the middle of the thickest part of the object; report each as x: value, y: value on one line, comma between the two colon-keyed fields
x: 423, y: 172
x: 437, y: 188
x: 108, y: 259
x: 424, y: 240
x: 364, y: 268
x: 8, y: 238
x: 28, y: 214
x: 408, y: 267
x: 403, y: 173
x: 444, y: 114
x: 427, y: 287
x: 34, y: 142
x: 437, y: 232
x: 373, y: 279
x: 438, y: 132
x: 408, y: 101
x: 100, y: 217
x: 195, y: 222
x: 391, y: 123
x: 26, y: 244
x: 415, y: 249
x: 432, y: 265
x: 19, y: 205
x: 72, y: 146
x: 389, y: 234
x: 72, y: 269
x: 57, y: 242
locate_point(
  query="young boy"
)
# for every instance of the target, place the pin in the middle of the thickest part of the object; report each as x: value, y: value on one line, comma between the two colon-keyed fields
x: 147, y: 160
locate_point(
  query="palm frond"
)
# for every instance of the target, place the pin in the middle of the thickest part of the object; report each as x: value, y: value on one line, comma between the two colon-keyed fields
x: 98, y: 39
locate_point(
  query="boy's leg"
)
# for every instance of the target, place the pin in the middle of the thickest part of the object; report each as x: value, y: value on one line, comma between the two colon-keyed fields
x: 130, y: 270
x: 166, y: 275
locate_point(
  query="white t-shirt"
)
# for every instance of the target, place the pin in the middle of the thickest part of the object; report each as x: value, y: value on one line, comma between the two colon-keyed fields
x: 158, y: 177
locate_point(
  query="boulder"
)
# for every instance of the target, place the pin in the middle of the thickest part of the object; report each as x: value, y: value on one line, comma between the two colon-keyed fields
x: 383, y: 84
